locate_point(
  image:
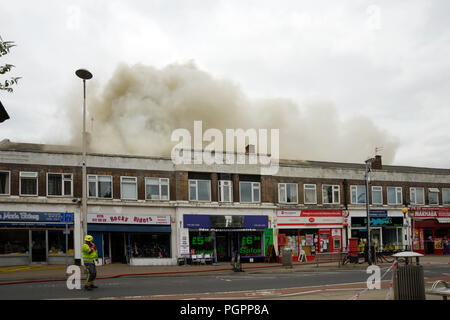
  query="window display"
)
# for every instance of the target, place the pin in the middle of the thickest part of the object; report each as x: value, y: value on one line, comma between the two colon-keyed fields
x: 57, y: 242
x: 201, y: 242
x: 14, y: 241
x: 251, y: 244
x: 150, y: 245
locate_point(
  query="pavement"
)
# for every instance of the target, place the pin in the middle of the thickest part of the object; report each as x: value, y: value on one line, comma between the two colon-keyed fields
x: 42, y: 273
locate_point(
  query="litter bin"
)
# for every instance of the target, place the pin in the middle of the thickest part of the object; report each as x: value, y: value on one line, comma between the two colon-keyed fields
x: 409, y: 283
x: 286, y: 258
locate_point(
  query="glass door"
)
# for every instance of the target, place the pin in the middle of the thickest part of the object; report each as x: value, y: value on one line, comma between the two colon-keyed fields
x: 324, y: 240
x: 38, y: 246
x: 375, y: 234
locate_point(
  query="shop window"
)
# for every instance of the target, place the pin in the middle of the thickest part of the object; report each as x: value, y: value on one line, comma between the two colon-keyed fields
x: 330, y: 194
x: 199, y: 190
x: 100, y: 186
x: 358, y: 194
x: 14, y: 241
x: 249, y: 191
x: 287, y: 193
x: 5, y: 182
x: 157, y: 188
x: 225, y: 191
x: 128, y: 188
x: 416, y: 196
x: 59, y: 184
x: 310, y: 193
x: 433, y: 195
x: 57, y: 242
x: 377, y: 195
x: 251, y: 244
x: 28, y: 183
x: 150, y: 245
x: 201, y: 242
x: 445, y: 196
x: 394, y: 195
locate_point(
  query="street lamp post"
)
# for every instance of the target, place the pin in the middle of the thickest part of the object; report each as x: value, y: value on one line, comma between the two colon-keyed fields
x: 84, y: 75
x: 369, y: 245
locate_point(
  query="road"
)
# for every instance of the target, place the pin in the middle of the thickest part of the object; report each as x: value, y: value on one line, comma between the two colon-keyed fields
x: 168, y: 286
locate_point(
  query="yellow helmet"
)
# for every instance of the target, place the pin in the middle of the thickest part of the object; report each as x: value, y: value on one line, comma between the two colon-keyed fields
x: 88, y: 238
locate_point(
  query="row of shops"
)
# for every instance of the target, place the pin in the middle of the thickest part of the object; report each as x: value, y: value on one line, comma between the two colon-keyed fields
x: 139, y: 239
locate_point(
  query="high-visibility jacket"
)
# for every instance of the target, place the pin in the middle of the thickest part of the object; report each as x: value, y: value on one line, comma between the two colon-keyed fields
x: 89, y: 251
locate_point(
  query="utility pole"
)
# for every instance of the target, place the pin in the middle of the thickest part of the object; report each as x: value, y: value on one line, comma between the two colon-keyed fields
x: 369, y: 245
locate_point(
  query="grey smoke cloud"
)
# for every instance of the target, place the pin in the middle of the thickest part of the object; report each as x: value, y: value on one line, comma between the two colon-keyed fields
x: 140, y: 106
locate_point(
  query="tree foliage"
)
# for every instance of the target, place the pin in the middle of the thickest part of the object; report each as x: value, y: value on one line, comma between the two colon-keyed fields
x: 5, y: 47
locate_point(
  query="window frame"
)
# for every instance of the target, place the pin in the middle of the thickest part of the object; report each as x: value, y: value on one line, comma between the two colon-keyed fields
x: 161, y: 182
x: 332, y: 193
x: 196, y: 190
x: 307, y: 188
x: 37, y: 183
x: 9, y: 183
x: 285, y: 193
x: 121, y: 189
x: 253, y: 188
x: 62, y: 185
x: 447, y: 200
x: 221, y: 189
x: 415, y: 195
x: 96, y: 186
x: 381, y: 192
x: 355, y: 187
x: 396, y: 193
x: 436, y: 191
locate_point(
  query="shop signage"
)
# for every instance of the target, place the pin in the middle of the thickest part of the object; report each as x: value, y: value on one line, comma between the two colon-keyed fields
x: 198, y: 221
x: 184, y: 242
x: 378, y: 213
x: 425, y: 212
x: 288, y: 213
x: 320, y: 221
x: 127, y: 219
x: 361, y: 222
x: 35, y: 217
x: 321, y: 213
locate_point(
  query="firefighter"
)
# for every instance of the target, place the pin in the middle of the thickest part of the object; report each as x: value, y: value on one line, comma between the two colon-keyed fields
x: 90, y: 256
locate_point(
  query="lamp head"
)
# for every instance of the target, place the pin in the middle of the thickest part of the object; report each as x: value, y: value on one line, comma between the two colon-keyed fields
x: 83, y: 74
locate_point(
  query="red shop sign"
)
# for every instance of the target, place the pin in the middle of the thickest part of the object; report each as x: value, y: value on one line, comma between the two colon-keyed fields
x: 321, y: 213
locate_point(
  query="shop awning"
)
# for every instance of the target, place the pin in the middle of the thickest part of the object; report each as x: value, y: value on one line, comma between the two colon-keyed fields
x: 443, y: 220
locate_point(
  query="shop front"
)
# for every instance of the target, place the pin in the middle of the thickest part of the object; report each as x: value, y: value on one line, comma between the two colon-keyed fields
x: 430, y: 226
x: 225, y: 236
x: 310, y: 232
x: 386, y: 229
x: 131, y: 239
x: 36, y: 238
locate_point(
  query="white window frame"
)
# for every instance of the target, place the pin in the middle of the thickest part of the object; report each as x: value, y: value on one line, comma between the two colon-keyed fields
x: 445, y: 196
x: 433, y: 190
x: 36, y: 176
x: 161, y: 182
x: 229, y: 183
x: 96, y: 186
x: 308, y: 186
x: 280, y: 185
x: 397, y: 190
x: 63, y: 179
x: 413, y: 194
x: 254, y: 186
x: 122, y: 178
x: 354, y: 188
x: 380, y: 191
x: 333, y: 189
x: 196, y: 190
x: 9, y: 183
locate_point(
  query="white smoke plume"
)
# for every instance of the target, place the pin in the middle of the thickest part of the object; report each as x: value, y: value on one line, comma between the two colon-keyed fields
x: 140, y: 106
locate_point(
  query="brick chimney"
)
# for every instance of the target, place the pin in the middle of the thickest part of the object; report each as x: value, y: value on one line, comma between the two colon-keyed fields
x: 376, y: 163
x: 250, y: 149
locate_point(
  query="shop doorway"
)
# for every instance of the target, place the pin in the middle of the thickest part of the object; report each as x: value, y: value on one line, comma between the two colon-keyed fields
x: 324, y: 240
x: 226, y: 244
x: 118, y: 245
x: 375, y: 234
x: 38, y: 246
x: 429, y: 243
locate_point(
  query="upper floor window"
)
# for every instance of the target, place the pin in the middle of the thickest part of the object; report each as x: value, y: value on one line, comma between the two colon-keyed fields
x: 225, y: 191
x: 5, y: 182
x: 330, y: 194
x: 128, y: 188
x: 377, y: 195
x: 310, y: 193
x: 249, y: 191
x: 287, y: 193
x: 59, y: 184
x: 157, y: 188
x: 358, y: 194
x: 99, y: 186
x: 394, y: 195
x: 416, y: 196
x: 28, y: 183
x: 200, y: 190
x: 433, y: 195
x: 445, y: 196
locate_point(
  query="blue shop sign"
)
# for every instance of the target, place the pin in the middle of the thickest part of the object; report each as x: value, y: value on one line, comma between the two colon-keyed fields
x: 38, y: 218
x: 378, y: 213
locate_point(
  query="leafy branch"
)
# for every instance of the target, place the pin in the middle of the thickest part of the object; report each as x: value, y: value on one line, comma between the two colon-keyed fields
x: 5, y: 47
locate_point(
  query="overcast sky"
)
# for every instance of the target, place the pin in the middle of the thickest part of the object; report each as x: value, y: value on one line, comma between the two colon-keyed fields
x: 387, y: 60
